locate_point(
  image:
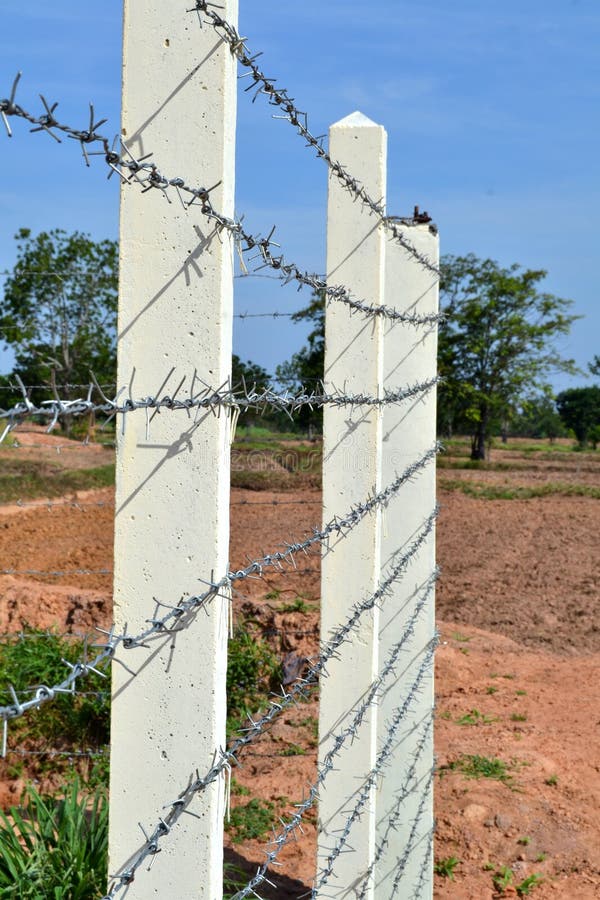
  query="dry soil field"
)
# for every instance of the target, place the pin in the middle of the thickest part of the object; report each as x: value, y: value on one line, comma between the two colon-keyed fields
x: 517, y: 667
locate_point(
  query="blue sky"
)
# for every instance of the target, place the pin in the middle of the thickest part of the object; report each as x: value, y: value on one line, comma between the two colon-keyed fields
x: 491, y: 111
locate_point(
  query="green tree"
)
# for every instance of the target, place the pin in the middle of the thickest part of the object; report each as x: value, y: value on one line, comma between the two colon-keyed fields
x: 58, y: 310
x: 579, y: 409
x: 538, y: 417
x: 249, y: 374
x: 305, y: 369
x: 594, y: 366
x: 496, y: 344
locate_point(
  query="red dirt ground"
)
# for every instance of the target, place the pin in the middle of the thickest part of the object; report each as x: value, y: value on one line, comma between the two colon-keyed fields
x: 520, y: 645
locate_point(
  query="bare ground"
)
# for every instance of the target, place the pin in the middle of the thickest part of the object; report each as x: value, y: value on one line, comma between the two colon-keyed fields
x: 520, y: 651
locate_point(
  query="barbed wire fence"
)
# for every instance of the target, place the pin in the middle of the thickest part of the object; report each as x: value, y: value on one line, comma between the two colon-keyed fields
x: 373, y: 669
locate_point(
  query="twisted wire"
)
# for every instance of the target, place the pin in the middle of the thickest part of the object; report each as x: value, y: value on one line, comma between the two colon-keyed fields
x: 149, y: 177
x: 207, y: 398
x: 395, y: 815
x: 224, y: 759
x: 280, y: 98
x: 348, y: 733
x: 339, y: 526
x: 397, y: 719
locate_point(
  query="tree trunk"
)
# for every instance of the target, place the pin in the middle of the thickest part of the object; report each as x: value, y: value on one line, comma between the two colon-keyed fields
x: 478, y: 440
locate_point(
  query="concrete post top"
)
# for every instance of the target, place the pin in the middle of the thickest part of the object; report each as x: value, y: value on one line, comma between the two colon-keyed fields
x: 357, y: 120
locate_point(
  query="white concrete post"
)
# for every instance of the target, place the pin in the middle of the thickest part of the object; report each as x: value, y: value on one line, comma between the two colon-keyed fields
x: 408, y: 432
x: 351, y: 472
x: 172, y: 524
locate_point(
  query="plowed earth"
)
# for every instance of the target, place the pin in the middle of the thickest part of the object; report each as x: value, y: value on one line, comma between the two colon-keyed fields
x: 519, y: 657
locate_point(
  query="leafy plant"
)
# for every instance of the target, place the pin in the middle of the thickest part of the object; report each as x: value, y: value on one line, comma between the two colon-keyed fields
x: 445, y: 867
x: 524, y: 841
x: 528, y: 884
x: 503, y: 878
x: 552, y: 780
x: 55, y: 847
x: 518, y: 717
x: 251, y: 820
x: 234, y: 878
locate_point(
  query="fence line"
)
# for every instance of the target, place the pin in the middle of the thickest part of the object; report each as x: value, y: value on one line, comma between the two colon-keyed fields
x: 208, y: 399
x: 223, y: 759
x: 160, y: 552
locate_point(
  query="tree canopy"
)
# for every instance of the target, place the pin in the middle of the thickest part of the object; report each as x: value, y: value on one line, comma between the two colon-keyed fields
x: 579, y: 409
x: 496, y: 344
x: 58, y: 309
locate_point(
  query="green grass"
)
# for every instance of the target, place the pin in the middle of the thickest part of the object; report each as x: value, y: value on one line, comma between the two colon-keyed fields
x: 474, y: 766
x: 475, y: 717
x: 248, y: 433
x: 299, y: 604
x: 253, y: 671
x: 293, y: 750
x: 461, y: 638
x: 518, y: 492
x: 37, y: 659
x: 250, y: 820
x: 55, y: 847
x: 25, y: 479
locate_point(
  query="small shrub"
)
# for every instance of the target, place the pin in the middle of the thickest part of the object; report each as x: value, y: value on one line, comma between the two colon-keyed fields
x: 294, y: 750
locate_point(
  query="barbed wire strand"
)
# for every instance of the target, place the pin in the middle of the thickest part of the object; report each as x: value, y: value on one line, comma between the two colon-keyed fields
x: 148, y: 176
x: 339, y: 526
x: 348, y: 733
x: 392, y: 730
x: 207, y: 398
x: 280, y: 97
x: 426, y: 868
x: 395, y: 814
x: 224, y: 759
x: 422, y: 809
